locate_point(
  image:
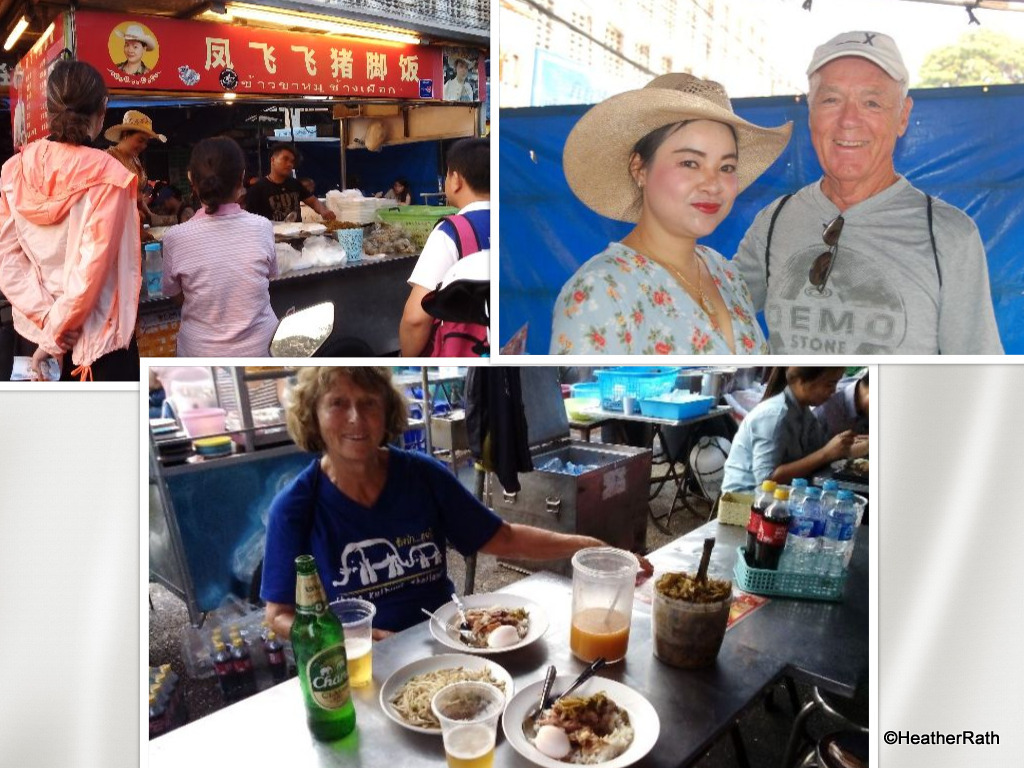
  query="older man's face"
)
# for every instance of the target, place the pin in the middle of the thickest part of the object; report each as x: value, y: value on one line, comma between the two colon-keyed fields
x: 857, y: 113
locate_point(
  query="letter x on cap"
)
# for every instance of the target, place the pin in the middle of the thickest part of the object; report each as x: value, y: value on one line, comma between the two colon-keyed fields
x: 874, y: 46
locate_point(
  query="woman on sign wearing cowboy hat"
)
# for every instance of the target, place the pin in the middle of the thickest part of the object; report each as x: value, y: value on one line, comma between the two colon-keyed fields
x: 136, y: 44
x: 132, y: 136
x: 672, y: 157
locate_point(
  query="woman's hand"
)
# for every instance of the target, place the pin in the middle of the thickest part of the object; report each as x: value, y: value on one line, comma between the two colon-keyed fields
x: 381, y: 634
x: 67, y: 339
x: 859, y: 447
x: 839, y: 446
x: 35, y: 366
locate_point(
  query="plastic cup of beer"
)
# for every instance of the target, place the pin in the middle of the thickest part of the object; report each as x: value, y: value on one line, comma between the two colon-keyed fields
x: 603, y: 579
x: 356, y: 617
x: 469, y: 714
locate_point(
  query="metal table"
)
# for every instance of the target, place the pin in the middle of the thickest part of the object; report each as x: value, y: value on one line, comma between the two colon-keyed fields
x: 696, y: 707
x: 823, y: 643
x: 678, y: 465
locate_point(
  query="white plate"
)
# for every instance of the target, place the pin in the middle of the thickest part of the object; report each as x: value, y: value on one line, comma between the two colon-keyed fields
x: 446, y: 613
x: 394, y: 683
x: 642, y: 717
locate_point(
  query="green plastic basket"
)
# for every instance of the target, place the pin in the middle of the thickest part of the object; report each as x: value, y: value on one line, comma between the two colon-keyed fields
x: 807, y: 586
x: 417, y: 220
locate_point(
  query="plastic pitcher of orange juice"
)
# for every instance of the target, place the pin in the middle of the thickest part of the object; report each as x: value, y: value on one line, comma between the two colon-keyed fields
x: 602, y: 603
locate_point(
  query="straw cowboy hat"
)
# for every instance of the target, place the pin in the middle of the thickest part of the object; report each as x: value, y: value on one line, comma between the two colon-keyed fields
x: 598, y: 149
x: 137, y: 33
x: 133, y: 121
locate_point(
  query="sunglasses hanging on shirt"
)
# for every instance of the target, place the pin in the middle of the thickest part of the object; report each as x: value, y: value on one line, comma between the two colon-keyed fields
x: 822, y: 266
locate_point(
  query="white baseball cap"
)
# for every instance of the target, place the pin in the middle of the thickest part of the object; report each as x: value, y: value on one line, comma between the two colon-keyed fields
x: 874, y: 46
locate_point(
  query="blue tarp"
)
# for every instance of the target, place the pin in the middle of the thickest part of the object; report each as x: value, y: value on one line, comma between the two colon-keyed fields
x: 963, y: 146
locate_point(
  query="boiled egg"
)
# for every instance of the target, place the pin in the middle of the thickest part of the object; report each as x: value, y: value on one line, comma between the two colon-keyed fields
x: 552, y: 741
x: 502, y: 637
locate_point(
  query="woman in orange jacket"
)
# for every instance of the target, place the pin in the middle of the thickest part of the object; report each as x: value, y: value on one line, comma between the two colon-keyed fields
x: 69, y: 238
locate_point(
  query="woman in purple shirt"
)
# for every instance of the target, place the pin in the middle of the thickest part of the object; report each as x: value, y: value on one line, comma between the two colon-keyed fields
x: 220, y: 262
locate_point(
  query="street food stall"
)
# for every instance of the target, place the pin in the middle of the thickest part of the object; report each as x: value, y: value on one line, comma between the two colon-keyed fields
x: 373, y: 95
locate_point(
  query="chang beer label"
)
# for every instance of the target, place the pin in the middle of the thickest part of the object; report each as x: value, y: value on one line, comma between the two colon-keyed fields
x: 328, y: 677
x: 309, y: 594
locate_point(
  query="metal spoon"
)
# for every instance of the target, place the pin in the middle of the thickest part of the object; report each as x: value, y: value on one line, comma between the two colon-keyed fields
x: 529, y: 726
x: 585, y: 675
x: 465, y: 635
x: 460, y: 608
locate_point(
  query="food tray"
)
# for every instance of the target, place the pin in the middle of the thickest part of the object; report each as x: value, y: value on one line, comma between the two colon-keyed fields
x: 634, y: 381
x: 691, y: 407
x: 734, y: 508
x: 807, y: 586
x: 417, y: 220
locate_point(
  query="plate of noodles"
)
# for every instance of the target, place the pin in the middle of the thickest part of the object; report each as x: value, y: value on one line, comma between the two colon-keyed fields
x: 511, y: 620
x: 405, y: 696
x: 603, y: 721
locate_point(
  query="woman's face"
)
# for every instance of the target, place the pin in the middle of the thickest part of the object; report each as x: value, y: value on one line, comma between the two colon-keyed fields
x: 351, y: 420
x: 690, y: 183
x: 816, y: 391
x: 398, y: 188
x: 134, y: 144
x: 133, y: 51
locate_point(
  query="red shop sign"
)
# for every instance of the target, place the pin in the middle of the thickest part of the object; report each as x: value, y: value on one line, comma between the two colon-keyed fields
x: 28, y: 87
x: 149, y: 53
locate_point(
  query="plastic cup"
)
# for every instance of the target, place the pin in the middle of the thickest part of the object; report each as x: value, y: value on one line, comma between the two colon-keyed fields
x: 688, y: 635
x: 469, y: 714
x: 629, y: 405
x: 602, y: 603
x: 356, y: 617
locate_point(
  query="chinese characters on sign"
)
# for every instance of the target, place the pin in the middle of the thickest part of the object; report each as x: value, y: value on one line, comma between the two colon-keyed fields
x: 176, y: 55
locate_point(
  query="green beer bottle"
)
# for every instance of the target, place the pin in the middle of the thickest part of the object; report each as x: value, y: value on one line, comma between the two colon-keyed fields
x: 319, y: 645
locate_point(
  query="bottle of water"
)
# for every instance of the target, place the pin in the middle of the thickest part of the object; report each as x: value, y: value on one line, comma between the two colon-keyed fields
x: 840, y: 523
x: 805, y: 529
x: 797, y: 491
x: 829, y: 496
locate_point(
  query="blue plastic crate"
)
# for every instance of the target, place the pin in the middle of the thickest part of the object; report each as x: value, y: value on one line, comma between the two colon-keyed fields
x: 634, y: 381
x: 807, y: 586
x: 586, y: 389
x: 691, y: 407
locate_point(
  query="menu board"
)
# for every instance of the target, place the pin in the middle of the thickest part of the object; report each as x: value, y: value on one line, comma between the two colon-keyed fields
x: 28, y: 85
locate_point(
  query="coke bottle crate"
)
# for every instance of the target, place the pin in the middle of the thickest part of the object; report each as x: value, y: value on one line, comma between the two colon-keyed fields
x: 807, y: 586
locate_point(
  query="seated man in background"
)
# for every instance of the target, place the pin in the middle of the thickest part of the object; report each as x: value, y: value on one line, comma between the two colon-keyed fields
x: 848, y: 407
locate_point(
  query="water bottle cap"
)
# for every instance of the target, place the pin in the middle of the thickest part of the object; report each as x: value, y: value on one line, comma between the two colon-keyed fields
x: 814, y: 492
x: 800, y: 482
x: 831, y: 485
x: 152, y: 247
x: 846, y: 495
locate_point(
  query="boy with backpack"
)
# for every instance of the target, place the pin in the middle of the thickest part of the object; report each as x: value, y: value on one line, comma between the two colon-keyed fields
x: 467, y: 185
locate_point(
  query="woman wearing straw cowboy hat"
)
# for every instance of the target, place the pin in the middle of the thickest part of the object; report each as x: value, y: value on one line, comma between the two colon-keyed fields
x: 131, y: 138
x: 671, y: 156
x: 136, y: 43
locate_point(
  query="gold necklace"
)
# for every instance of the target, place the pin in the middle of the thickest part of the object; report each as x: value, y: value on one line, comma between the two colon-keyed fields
x: 705, y: 300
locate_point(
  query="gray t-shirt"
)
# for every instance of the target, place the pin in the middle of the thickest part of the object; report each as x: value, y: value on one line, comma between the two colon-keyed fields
x: 883, y: 296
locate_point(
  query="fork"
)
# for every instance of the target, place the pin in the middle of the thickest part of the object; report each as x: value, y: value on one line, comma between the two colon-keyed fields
x: 460, y: 607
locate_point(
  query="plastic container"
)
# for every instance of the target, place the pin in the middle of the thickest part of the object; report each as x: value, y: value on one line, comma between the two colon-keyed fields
x: 576, y: 407
x: 213, y: 446
x: 807, y: 586
x: 688, y: 635
x: 201, y: 422
x: 417, y: 220
x: 586, y: 389
x: 153, y: 268
x: 352, y: 241
x: 734, y: 508
x: 692, y: 406
x: 636, y: 381
x: 602, y: 603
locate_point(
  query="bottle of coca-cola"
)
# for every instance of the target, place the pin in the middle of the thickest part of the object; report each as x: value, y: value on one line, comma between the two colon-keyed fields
x: 762, y: 499
x: 771, y: 536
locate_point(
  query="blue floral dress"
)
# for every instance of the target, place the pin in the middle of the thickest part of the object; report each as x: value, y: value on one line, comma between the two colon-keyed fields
x: 621, y: 302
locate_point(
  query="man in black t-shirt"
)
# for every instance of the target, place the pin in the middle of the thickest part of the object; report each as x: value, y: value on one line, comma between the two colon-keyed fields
x: 276, y: 196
